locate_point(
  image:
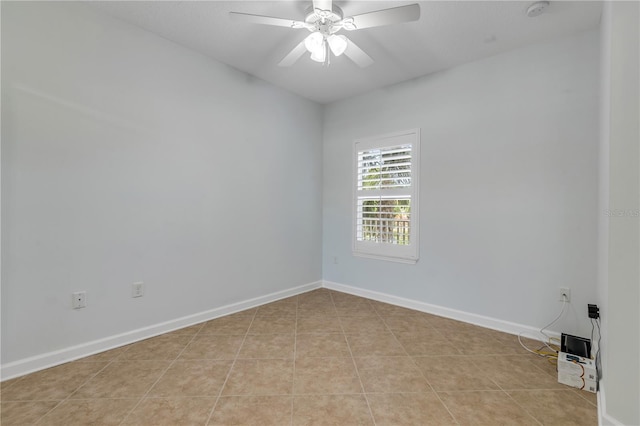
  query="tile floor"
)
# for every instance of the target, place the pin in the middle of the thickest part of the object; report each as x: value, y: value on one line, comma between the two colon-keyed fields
x: 320, y: 358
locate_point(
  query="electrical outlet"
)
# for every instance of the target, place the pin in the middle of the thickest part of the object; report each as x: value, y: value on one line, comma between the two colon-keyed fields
x: 79, y: 300
x: 564, y: 294
x: 137, y: 289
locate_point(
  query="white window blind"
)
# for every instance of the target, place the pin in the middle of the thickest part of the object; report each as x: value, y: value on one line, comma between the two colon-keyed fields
x: 385, y: 211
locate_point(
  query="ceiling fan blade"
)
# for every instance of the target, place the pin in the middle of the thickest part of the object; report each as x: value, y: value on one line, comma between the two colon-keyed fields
x: 294, y: 55
x: 357, y: 55
x: 266, y: 20
x: 395, y: 15
x: 322, y: 5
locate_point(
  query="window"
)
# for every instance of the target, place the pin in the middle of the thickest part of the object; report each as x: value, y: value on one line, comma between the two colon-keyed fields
x: 386, y: 197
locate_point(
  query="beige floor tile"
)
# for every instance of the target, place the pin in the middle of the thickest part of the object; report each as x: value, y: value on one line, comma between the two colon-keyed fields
x: 260, y: 377
x: 327, y: 311
x: 165, y: 347
x: 375, y: 344
x: 486, y: 409
x: 453, y: 373
x: 171, y: 412
x: 402, y: 354
x: 268, y: 346
x: 562, y: 407
x: 424, y: 409
x: 357, y: 309
x: 326, y: 376
x: 213, y: 346
x: 408, y: 323
x: 363, y: 305
x: 592, y: 398
x: 273, y: 325
x: 311, y: 310
x: 426, y: 342
x: 89, y: 412
x: 512, y: 372
x: 322, y: 345
x: 192, y: 378
x: 122, y: 379
x: 357, y: 313
x: 319, y: 324
x: 391, y: 374
x: 282, y: 311
x: 54, y: 383
x: 318, y: 298
x: 509, y: 342
x: 338, y: 410
x: 4, y: 385
x: 352, y: 325
x: 252, y: 410
x: 550, y: 366
x: 236, y: 324
x: 473, y: 343
x: 20, y: 413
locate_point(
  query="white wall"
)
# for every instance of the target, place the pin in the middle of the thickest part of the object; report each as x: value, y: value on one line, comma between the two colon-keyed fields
x: 128, y: 158
x: 508, y: 184
x: 620, y: 286
x: 117, y: 166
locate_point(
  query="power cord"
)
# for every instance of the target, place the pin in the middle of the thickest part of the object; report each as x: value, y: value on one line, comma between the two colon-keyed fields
x: 553, y: 355
x: 598, y: 360
x: 564, y: 305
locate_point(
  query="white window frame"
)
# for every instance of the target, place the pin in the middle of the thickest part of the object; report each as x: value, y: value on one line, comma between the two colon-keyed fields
x: 382, y: 250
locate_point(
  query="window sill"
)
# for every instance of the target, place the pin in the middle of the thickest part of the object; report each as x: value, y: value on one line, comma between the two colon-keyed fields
x: 406, y: 260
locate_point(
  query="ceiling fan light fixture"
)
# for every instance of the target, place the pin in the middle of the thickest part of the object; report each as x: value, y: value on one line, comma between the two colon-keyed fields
x: 314, y: 42
x: 319, y: 55
x: 337, y: 43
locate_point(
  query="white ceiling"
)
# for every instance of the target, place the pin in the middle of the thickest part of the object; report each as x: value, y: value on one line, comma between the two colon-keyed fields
x: 448, y: 33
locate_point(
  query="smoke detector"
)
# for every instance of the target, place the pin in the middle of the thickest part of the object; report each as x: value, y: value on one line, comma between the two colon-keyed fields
x: 537, y: 8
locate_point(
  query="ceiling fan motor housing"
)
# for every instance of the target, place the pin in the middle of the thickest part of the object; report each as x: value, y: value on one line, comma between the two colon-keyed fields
x: 324, y: 18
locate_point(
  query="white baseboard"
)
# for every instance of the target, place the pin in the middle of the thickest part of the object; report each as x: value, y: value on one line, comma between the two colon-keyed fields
x: 51, y: 359
x: 475, y: 319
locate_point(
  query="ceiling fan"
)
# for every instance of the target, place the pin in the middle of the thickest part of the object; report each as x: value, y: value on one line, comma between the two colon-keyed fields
x: 324, y: 19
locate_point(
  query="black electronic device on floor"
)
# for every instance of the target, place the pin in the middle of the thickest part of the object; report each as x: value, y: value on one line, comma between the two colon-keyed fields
x: 575, y: 345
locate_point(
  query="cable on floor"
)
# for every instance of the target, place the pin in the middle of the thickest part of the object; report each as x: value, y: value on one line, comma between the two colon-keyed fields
x: 552, y: 353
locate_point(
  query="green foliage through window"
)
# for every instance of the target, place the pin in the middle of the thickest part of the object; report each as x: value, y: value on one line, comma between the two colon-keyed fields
x: 385, y: 221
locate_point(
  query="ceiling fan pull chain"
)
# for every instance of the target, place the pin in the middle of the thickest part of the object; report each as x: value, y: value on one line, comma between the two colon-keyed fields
x: 327, y: 54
